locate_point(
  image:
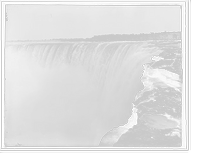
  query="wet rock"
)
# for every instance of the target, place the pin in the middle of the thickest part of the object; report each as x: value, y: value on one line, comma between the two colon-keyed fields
x: 159, y: 105
x: 158, y: 121
x: 112, y: 136
x: 141, y: 136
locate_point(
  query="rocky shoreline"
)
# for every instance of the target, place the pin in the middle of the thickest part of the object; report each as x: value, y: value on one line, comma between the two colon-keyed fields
x: 158, y: 107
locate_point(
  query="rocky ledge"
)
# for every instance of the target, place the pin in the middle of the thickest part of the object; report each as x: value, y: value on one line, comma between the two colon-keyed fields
x: 158, y: 106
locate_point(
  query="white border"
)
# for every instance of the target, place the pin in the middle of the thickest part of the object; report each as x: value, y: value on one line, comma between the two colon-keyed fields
x: 122, y: 149
x: 187, y: 68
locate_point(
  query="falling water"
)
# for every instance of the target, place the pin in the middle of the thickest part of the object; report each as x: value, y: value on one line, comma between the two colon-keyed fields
x: 70, y: 94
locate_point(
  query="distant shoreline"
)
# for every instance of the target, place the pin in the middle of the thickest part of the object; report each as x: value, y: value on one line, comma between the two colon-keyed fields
x: 112, y: 38
x: 9, y: 43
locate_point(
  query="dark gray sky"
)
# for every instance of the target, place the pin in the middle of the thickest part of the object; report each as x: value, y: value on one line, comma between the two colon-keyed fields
x: 37, y: 22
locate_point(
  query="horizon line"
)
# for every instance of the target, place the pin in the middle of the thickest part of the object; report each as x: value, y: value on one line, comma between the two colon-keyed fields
x: 87, y: 38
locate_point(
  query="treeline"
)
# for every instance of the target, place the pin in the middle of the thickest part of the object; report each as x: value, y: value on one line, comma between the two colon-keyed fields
x: 123, y: 37
x: 138, y: 37
x: 130, y: 37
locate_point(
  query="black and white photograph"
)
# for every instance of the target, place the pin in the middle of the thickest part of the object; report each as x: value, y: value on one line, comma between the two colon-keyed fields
x: 95, y: 75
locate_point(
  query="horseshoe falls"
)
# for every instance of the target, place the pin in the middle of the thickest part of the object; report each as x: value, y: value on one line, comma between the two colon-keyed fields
x: 71, y: 93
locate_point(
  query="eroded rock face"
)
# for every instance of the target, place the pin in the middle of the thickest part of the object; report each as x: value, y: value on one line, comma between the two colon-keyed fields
x: 111, y: 137
x: 144, y: 136
x: 158, y: 105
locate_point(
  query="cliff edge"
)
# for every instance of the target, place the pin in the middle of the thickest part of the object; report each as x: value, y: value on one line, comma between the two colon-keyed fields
x: 157, y: 108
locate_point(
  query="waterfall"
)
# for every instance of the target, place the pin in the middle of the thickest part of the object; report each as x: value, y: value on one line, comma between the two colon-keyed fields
x: 70, y: 94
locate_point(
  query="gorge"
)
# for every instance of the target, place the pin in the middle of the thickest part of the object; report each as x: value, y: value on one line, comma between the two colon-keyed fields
x: 70, y: 94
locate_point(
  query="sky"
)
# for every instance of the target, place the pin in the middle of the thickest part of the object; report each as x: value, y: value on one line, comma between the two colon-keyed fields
x: 39, y: 22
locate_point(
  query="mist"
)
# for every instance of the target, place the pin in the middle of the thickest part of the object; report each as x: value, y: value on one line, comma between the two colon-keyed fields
x: 48, y: 100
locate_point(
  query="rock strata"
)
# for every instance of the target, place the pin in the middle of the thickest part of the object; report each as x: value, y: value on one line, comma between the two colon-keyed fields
x: 157, y: 109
